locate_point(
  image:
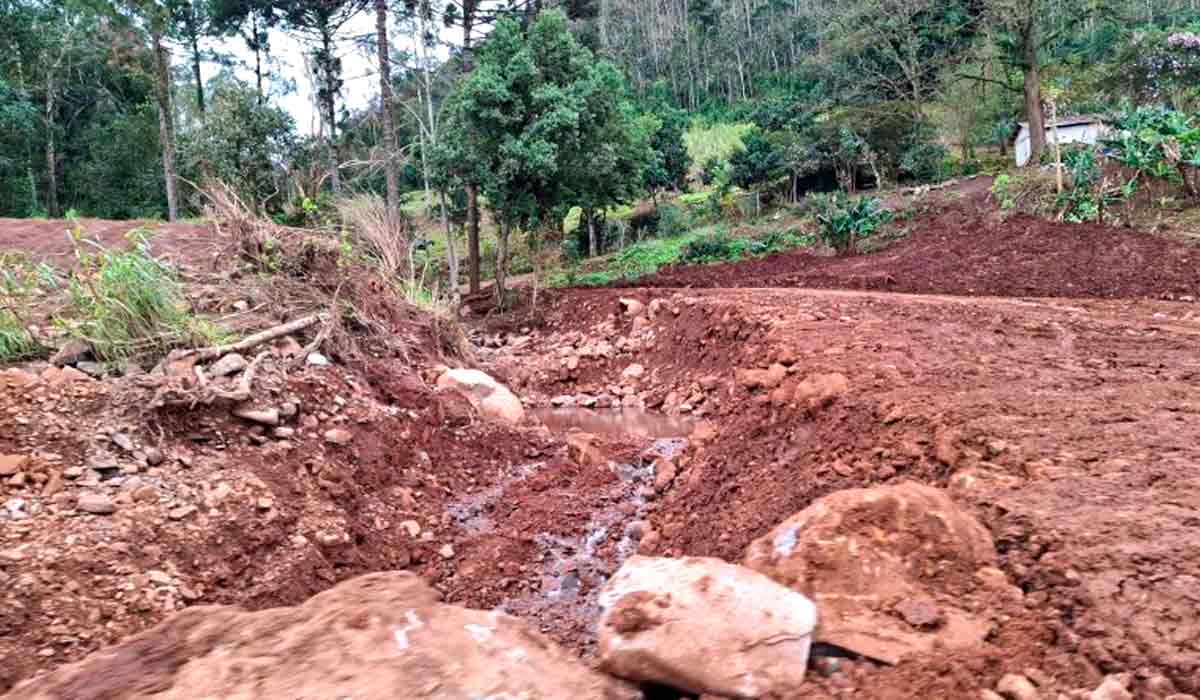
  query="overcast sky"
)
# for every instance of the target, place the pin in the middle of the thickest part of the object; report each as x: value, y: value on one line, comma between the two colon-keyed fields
x: 359, y: 71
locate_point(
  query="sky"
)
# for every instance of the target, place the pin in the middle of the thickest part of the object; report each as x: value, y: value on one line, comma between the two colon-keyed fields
x: 359, y: 71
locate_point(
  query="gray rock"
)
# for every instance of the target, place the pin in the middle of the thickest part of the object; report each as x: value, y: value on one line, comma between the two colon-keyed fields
x: 123, y: 441
x: 317, y: 359
x: 94, y: 369
x: 338, y: 436
x: 154, y: 456
x: 72, y: 352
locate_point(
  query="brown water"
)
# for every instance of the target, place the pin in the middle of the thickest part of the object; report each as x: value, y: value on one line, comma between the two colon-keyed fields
x: 615, y: 422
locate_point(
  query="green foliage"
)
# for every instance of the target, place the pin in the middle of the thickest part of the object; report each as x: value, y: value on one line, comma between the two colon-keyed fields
x: 239, y: 143
x: 924, y: 159
x: 716, y: 142
x: 1000, y: 190
x: 671, y: 160
x: 712, y: 170
x: 757, y: 162
x: 1159, y: 143
x: 126, y: 303
x: 843, y: 222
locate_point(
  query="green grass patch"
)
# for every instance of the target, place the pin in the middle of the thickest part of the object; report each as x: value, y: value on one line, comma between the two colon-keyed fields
x: 127, y: 304
x: 717, y: 141
x: 16, y: 342
x: 703, y: 245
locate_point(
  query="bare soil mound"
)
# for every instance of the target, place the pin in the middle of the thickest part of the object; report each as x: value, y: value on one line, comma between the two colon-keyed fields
x: 964, y: 248
x: 49, y: 240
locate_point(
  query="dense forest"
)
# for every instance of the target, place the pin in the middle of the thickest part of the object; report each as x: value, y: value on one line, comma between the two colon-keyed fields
x: 527, y: 111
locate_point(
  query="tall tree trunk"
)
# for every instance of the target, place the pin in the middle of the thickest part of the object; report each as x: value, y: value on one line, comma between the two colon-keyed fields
x: 389, y: 120
x: 469, y: 7
x: 328, y: 98
x: 501, y: 260
x: 258, y: 73
x: 166, y: 129
x: 196, y: 73
x: 51, y: 157
x: 451, y: 251
x: 473, y: 236
x: 593, y: 248
x: 1033, y: 98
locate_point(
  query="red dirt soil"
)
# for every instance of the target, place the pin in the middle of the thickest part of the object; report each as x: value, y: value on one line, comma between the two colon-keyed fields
x: 1070, y: 428
x: 965, y: 248
x: 49, y: 241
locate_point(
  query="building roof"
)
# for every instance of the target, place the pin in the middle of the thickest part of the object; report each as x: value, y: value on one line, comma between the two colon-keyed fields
x: 1070, y: 121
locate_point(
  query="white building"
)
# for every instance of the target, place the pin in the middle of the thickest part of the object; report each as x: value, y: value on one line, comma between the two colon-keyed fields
x: 1081, y: 129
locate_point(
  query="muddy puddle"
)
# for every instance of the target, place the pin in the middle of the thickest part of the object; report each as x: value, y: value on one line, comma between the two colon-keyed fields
x: 616, y: 422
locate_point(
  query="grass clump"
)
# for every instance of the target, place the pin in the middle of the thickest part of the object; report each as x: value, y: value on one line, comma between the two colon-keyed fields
x: 126, y: 303
x: 21, y: 282
x: 714, y: 143
x: 16, y: 342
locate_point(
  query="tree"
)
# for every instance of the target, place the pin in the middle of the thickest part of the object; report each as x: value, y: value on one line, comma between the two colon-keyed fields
x: 240, y: 143
x: 249, y: 19
x: 193, y: 22
x: 527, y: 121
x: 671, y: 159
x: 390, y: 145
x: 755, y: 164
x: 322, y: 21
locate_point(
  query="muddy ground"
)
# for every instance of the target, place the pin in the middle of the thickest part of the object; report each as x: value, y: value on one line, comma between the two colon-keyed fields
x: 1068, y: 424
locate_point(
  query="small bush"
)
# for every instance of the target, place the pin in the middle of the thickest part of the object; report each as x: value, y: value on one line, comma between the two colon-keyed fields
x: 672, y: 220
x: 127, y: 303
x: 711, y: 171
x: 16, y: 342
x: 842, y: 222
x: 710, y: 248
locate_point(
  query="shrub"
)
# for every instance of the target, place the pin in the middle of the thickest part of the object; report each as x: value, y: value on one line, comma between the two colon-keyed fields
x: 709, y: 248
x: 711, y: 170
x: 672, y: 220
x: 924, y: 161
x: 842, y: 222
x: 16, y: 342
x: 127, y: 303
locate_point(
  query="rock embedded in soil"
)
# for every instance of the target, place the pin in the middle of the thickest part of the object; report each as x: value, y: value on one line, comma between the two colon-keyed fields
x: 762, y: 378
x: 703, y: 625
x: 820, y: 390
x: 1014, y: 686
x: 95, y: 503
x: 338, y: 436
x: 264, y: 416
x: 376, y: 637
x: 859, y: 552
x: 490, y: 397
x: 227, y: 365
x: 11, y: 464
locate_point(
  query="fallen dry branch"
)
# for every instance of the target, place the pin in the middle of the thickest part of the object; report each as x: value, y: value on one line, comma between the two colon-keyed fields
x: 249, y: 342
x: 176, y: 394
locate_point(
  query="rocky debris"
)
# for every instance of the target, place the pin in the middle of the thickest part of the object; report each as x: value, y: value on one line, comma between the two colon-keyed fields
x: 227, y: 365
x: 631, y: 307
x: 633, y: 371
x: 1113, y: 687
x: 889, y: 568
x: 767, y: 379
x: 491, y: 398
x: 664, y: 473
x: 379, y: 636
x: 704, y: 626
x: 338, y: 436
x: 12, y: 464
x: 263, y: 416
x: 154, y: 456
x: 92, y: 369
x: 820, y: 390
x: 1014, y: 686
x: 71, y: 352
x: 316, y: 359
x: 582, y: 450
x: 123, y: 441
x: 95, y: 503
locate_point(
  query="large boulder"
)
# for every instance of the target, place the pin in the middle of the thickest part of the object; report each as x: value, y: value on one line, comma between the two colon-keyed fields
x: 704, y: 626
x: 380, y: 636
x: 489, y: 396
x: 889, y: 568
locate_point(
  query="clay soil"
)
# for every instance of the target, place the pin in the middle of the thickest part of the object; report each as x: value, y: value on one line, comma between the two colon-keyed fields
x: 47, y: 240
x: 1066, y: 420
x: 959, y: 244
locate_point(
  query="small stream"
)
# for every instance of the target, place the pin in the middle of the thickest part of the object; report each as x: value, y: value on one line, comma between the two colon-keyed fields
x: 571, y: 570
